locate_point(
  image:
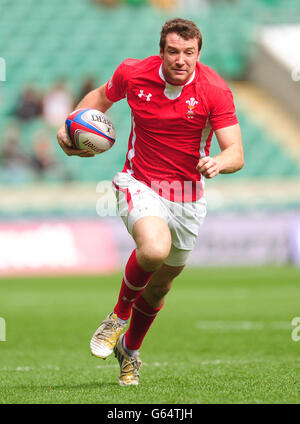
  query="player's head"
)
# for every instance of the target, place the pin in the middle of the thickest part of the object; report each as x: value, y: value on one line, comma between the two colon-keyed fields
x: 180, y: 46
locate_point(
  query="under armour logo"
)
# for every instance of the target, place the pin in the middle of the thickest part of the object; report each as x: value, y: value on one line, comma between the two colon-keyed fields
x: 148, y: 96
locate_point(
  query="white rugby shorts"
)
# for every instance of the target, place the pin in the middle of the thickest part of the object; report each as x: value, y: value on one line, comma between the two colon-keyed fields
x: 136, y: 200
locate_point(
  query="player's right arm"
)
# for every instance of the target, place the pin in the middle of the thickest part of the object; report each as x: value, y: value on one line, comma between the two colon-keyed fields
x: 95, y: 99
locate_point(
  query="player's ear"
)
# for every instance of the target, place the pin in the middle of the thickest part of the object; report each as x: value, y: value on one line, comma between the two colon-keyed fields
x: 161, y: 53
x: 199, y: 53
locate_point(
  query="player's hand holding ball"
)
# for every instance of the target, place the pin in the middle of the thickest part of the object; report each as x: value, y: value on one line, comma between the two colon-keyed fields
x: 86, y: 132
x: 66, y: 144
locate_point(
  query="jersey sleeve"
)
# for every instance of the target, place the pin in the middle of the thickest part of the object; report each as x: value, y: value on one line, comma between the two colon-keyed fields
x: 222, y: 109
x: 116, y: 87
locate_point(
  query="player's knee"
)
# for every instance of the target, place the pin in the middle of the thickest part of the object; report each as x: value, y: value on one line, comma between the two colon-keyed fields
x: 154, y: 254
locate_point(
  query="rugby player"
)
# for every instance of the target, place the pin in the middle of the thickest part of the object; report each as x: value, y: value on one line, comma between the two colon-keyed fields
x: 177, y: 103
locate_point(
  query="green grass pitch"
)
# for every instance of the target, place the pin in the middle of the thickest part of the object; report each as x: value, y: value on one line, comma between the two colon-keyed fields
x: 223, y: 336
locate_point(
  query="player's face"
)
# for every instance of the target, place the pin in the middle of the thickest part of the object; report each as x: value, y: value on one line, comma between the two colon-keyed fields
x: 179, y: 58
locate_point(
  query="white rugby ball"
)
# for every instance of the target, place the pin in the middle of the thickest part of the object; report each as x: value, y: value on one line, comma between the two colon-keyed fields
x: 90, y: 129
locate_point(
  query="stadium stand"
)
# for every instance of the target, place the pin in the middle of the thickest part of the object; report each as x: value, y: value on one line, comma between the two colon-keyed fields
x: 252, y: 214
x: 68, y: 49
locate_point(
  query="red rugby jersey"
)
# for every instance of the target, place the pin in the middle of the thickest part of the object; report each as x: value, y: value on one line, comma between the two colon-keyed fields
x: 172, y: 126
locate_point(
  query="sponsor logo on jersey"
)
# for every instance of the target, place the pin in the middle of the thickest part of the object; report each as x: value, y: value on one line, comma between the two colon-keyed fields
x: 192, y: 102
x: 147, y: 96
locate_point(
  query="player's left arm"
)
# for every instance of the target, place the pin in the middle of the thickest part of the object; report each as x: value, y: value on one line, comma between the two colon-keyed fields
x: 231, y: 157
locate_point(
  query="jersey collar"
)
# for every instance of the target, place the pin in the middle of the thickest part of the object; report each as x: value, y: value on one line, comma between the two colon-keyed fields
x: 172, y: 91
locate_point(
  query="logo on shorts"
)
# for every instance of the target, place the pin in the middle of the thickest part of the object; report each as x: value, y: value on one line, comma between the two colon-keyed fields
x: 148, y: 96
x: 192, y: 102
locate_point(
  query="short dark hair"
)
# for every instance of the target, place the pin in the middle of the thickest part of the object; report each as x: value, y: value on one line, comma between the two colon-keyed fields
x: 184, y: 28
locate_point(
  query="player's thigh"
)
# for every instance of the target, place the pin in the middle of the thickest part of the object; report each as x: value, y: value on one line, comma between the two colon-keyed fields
x: 135, y: 201
x: 152, y: 236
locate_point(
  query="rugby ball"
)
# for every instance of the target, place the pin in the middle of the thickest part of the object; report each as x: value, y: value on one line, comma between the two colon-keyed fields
x: 90, y: 129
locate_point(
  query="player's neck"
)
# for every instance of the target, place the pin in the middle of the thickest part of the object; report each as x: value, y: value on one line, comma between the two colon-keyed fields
x: 161, y: 73
x: 173, y: 83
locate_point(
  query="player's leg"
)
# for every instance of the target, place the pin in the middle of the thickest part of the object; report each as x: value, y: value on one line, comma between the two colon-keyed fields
x: 145, y: 310
x: 152, y: 298
x: 160, y: 284
x: 148, y: 304
x: 153, y: 239
x: 145, y: 218
x: 184, y: 224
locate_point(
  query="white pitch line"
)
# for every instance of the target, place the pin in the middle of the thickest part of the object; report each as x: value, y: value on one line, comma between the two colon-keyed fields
x: 242, y: 325
x: 26, y: 368
x: 230, y: 361
x: 107, y: 366
x: 153, y: 364
x: 23, y: 369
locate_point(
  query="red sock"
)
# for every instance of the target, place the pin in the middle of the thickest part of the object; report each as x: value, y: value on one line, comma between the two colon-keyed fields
x: 134, y: 281
x: 142, y: 317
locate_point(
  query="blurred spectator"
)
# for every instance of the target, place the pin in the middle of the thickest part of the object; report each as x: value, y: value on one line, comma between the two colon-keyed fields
x: 43, y: 160
x: 15, y: 163
x: 57, y: 104
x: 87, y: 85
x: 42, y: 157
x: 29, y: 104
x: 19, y: 166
